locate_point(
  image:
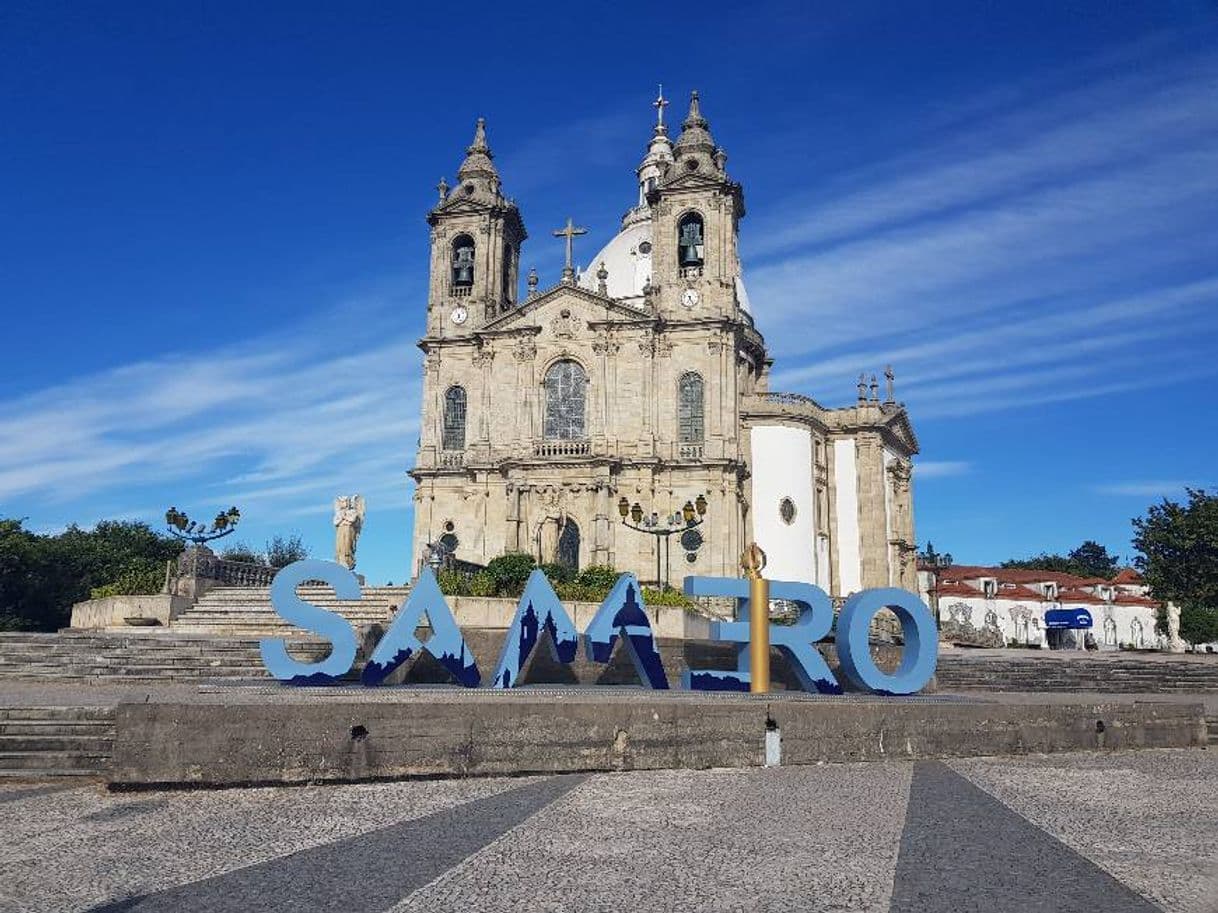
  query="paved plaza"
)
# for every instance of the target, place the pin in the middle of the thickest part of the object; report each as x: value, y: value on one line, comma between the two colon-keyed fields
x: 1125, y: 832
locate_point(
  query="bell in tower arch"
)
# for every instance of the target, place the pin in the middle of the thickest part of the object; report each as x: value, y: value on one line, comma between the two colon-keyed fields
x: 463, y: 261
x: 689, y: 240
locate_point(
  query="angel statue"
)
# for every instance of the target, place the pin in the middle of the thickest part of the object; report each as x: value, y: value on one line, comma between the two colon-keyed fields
x: 348, y: 521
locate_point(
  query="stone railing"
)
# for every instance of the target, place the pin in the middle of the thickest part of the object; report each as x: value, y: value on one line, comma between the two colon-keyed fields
x: 452, y: 459
x: 689, y: 451
x: 782, y: 404
x: 562, y: 448
x: 460, y: 291
x: 199, y: 570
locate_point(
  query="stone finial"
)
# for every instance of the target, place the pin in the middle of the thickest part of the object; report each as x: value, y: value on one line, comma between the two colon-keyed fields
x: 602, y: 279
x: 479, y: 143
x: 875, y: 390
x: 862, y: 388
x: 694, y: 118
x: 443, y: 188
x: 891, y: 379
x: 532, y: 282
x: 478, y: 157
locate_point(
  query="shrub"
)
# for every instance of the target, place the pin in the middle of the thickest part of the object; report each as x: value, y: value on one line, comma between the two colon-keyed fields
x: 280, y: 551
x: 578, y: 592
x: 558, y: 573
x: 139, y: 578
x: 675, y: 598
x: 510, y: 572
x: 453, y: 583
x: 240, y: 551
x: 482, y: 584
x: 598, y: 576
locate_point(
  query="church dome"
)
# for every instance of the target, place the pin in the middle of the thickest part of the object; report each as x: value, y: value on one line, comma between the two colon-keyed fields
x: 627, y: 259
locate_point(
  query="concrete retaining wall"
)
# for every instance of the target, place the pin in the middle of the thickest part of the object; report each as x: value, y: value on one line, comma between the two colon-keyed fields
x: 308, y: 738
x: 112, y: 612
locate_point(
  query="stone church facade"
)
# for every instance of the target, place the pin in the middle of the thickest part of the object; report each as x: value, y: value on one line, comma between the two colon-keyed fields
x: 645, y: 379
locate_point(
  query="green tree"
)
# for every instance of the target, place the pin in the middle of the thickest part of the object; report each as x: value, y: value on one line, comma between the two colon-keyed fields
x: 244, y: 553
x: 281, y: 551
x: 1178, y: 545
x: 1088, y: 560
x: 41, y: 576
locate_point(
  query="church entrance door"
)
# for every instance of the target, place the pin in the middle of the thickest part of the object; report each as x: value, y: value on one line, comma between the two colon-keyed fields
x: 568, y: 545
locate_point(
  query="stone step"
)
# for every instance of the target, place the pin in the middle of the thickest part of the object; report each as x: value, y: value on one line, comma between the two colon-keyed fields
x: 56, y: 727
x: 90, y: 745
x: 42, y: 761
x: 57, y: 714
x: 49, y: 773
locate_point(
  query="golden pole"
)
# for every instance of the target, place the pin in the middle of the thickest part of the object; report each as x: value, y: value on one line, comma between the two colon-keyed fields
x: 753, y: 562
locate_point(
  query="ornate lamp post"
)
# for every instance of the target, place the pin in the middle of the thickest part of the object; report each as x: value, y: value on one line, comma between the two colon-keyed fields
x: 190, y: 530
x: 691, y: 514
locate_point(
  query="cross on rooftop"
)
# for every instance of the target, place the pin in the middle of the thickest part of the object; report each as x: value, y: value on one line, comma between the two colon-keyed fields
x: 569, y: 232
x: 660, y: 104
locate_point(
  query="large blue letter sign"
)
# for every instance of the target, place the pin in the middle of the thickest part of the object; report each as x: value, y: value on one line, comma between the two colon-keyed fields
x: 797, y: 641
x: 918, y: 628
x: 624, y: 615
x: 446, y: 643
x: 321, y: 622
x: 538, y: 610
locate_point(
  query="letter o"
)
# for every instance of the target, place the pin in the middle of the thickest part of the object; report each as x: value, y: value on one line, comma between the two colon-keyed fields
x: 918, y: 657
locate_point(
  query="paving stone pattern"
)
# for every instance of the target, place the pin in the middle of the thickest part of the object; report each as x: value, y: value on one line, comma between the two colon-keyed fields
x: 1117, y: 832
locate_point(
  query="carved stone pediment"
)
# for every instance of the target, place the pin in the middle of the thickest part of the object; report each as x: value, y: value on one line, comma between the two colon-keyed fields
x: 583, y: 303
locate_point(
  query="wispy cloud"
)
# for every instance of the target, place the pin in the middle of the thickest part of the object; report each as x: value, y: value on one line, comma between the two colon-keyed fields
x: 281, y: 421
x: 1037, y: 251
x: 1151, y: 489
x: 938, y: 469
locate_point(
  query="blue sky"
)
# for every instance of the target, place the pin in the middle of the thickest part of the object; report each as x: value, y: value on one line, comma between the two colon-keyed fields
x: 214, y: 254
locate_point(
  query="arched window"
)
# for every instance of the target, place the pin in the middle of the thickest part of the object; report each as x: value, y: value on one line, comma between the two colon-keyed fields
x: 463, y: 261
x: 690, y: 424
x: 454, y: 418
x: 690, y: 244
x: 566, y: 388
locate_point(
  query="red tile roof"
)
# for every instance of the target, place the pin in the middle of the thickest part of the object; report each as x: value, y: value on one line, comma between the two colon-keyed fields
x: 1129, y: 599
x: 954, y: 588
x: 1127, y: 575
x: 1077, y: 595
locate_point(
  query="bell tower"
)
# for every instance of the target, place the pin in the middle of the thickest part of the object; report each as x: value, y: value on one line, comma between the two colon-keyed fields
x: 476, y: 233
x: 696, y: 210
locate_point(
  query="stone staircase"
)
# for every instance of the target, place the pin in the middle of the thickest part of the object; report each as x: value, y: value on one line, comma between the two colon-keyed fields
x: 1114, y: 676
x: 247, y: 611
x: 160, y: 657
x: 41, y: 742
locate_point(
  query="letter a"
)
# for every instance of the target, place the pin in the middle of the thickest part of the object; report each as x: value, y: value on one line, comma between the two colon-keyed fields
x: 330, y: 625
x: 624, y: 615
x: 446, y: 643
x: 538, y: 610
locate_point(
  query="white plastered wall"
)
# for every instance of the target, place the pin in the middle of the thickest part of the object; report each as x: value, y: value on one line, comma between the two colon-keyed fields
x: 845, y: 476
x: 782, y: 468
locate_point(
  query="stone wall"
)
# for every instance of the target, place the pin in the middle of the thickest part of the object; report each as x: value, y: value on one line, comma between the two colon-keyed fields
x: 127, y: 611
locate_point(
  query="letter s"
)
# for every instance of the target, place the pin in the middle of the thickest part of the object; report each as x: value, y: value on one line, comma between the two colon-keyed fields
x: 330, y: 625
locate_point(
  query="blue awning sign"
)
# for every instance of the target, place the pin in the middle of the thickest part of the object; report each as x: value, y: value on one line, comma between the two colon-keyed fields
x: 1077, y: 617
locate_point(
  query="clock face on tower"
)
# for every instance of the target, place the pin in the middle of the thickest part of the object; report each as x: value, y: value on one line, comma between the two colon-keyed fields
x: 689, y: 298
x: 459, y: 315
